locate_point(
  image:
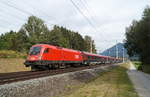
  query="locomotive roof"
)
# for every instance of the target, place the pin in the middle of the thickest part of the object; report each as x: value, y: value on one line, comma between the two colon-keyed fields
x: 55, y: 47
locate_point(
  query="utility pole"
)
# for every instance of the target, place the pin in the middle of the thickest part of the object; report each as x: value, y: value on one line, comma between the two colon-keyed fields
x: 116, y: 50
x: 108, y: 52
x: 91, y: 46
x: 123, y: 54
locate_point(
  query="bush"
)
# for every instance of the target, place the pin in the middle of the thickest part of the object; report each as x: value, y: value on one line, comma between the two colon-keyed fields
x: 146, y: 68
x: 140, y: 68
x: 137, y: 64
x: 11, y: 54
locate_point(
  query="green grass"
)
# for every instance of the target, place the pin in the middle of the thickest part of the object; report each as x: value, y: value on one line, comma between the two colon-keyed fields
x: 114, y: 83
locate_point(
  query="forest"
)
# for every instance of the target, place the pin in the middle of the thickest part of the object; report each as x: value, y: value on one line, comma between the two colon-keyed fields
x: 35, y: 31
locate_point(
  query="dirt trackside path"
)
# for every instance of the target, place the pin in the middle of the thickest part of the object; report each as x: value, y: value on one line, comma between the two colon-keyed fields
x: 140, y: 80
x: 114, y: 83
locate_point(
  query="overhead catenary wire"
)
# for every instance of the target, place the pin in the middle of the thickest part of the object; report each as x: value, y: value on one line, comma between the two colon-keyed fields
x: 12, y: 15
x: 6, y: 22
x: 42, y: 12
x: 86, y: 18
x: 88, y: 9
x: 18, y: 9
x: 9, y: 23
x: 11, y: 5
x: 90, y: 21
x: 29, y: 13
x: 91, y: 12
x: 21, y: 10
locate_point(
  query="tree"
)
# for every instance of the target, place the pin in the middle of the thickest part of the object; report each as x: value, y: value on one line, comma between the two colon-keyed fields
x: 3, y: 42
x: 89, y: 43
x: 138, y: 37
x: 56, y: 38
x: 23, y: 41
x: 8, y: 40
x: 36, y: 30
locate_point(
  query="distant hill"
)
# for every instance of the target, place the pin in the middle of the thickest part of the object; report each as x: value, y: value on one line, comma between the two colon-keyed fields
x: 112, y: 51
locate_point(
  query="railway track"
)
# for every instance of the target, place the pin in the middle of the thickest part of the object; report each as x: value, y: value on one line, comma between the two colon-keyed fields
x: 6, y: 78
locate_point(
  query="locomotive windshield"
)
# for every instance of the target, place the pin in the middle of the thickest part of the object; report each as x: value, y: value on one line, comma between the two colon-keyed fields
x: 35, y: 50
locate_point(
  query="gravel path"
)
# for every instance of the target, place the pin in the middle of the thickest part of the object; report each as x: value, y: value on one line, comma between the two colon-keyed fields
x: 140, y: 80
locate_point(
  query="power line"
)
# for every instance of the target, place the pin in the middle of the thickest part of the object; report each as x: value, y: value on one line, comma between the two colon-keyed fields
x: 84, y: 15
x: 86, y: 8
x: 9, y: 14
x: 91, y: 13
x: 41, y: 11
x: 7, y: 23
x: 23, y: 11
x: 89, y: 9
x: 90, y: 21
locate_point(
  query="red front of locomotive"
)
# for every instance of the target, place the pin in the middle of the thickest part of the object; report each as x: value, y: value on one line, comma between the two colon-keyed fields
x: 43, y: 54
x: 35, y: 53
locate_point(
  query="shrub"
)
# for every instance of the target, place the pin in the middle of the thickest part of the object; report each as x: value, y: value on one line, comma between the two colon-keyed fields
x: 11, y: 54
x: 146, y: 68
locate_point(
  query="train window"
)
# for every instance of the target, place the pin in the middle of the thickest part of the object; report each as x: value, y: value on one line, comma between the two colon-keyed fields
x: 89, y: 57
x: 35, y: 50
x: 46, y: 50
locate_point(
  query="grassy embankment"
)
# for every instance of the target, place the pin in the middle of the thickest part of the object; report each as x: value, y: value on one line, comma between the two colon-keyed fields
x: 11, y: 61
x: 139, y: 66
x: 114, y: 83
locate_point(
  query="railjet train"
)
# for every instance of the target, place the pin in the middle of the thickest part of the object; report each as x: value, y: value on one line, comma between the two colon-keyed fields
x: 44, y: 57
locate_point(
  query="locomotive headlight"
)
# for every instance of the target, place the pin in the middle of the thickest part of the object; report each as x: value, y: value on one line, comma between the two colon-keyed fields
x: 39, y: 57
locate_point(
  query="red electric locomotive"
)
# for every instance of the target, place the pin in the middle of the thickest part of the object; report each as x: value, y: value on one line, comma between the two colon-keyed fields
x: 44, y: 56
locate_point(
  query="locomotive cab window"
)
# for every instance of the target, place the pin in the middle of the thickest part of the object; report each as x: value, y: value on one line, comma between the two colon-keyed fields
x: 35, y: 50
x: 46, y: 50
x: 89, y: 57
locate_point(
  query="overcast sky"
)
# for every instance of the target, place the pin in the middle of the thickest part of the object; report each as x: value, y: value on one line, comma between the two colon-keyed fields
x: 109, y: 17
